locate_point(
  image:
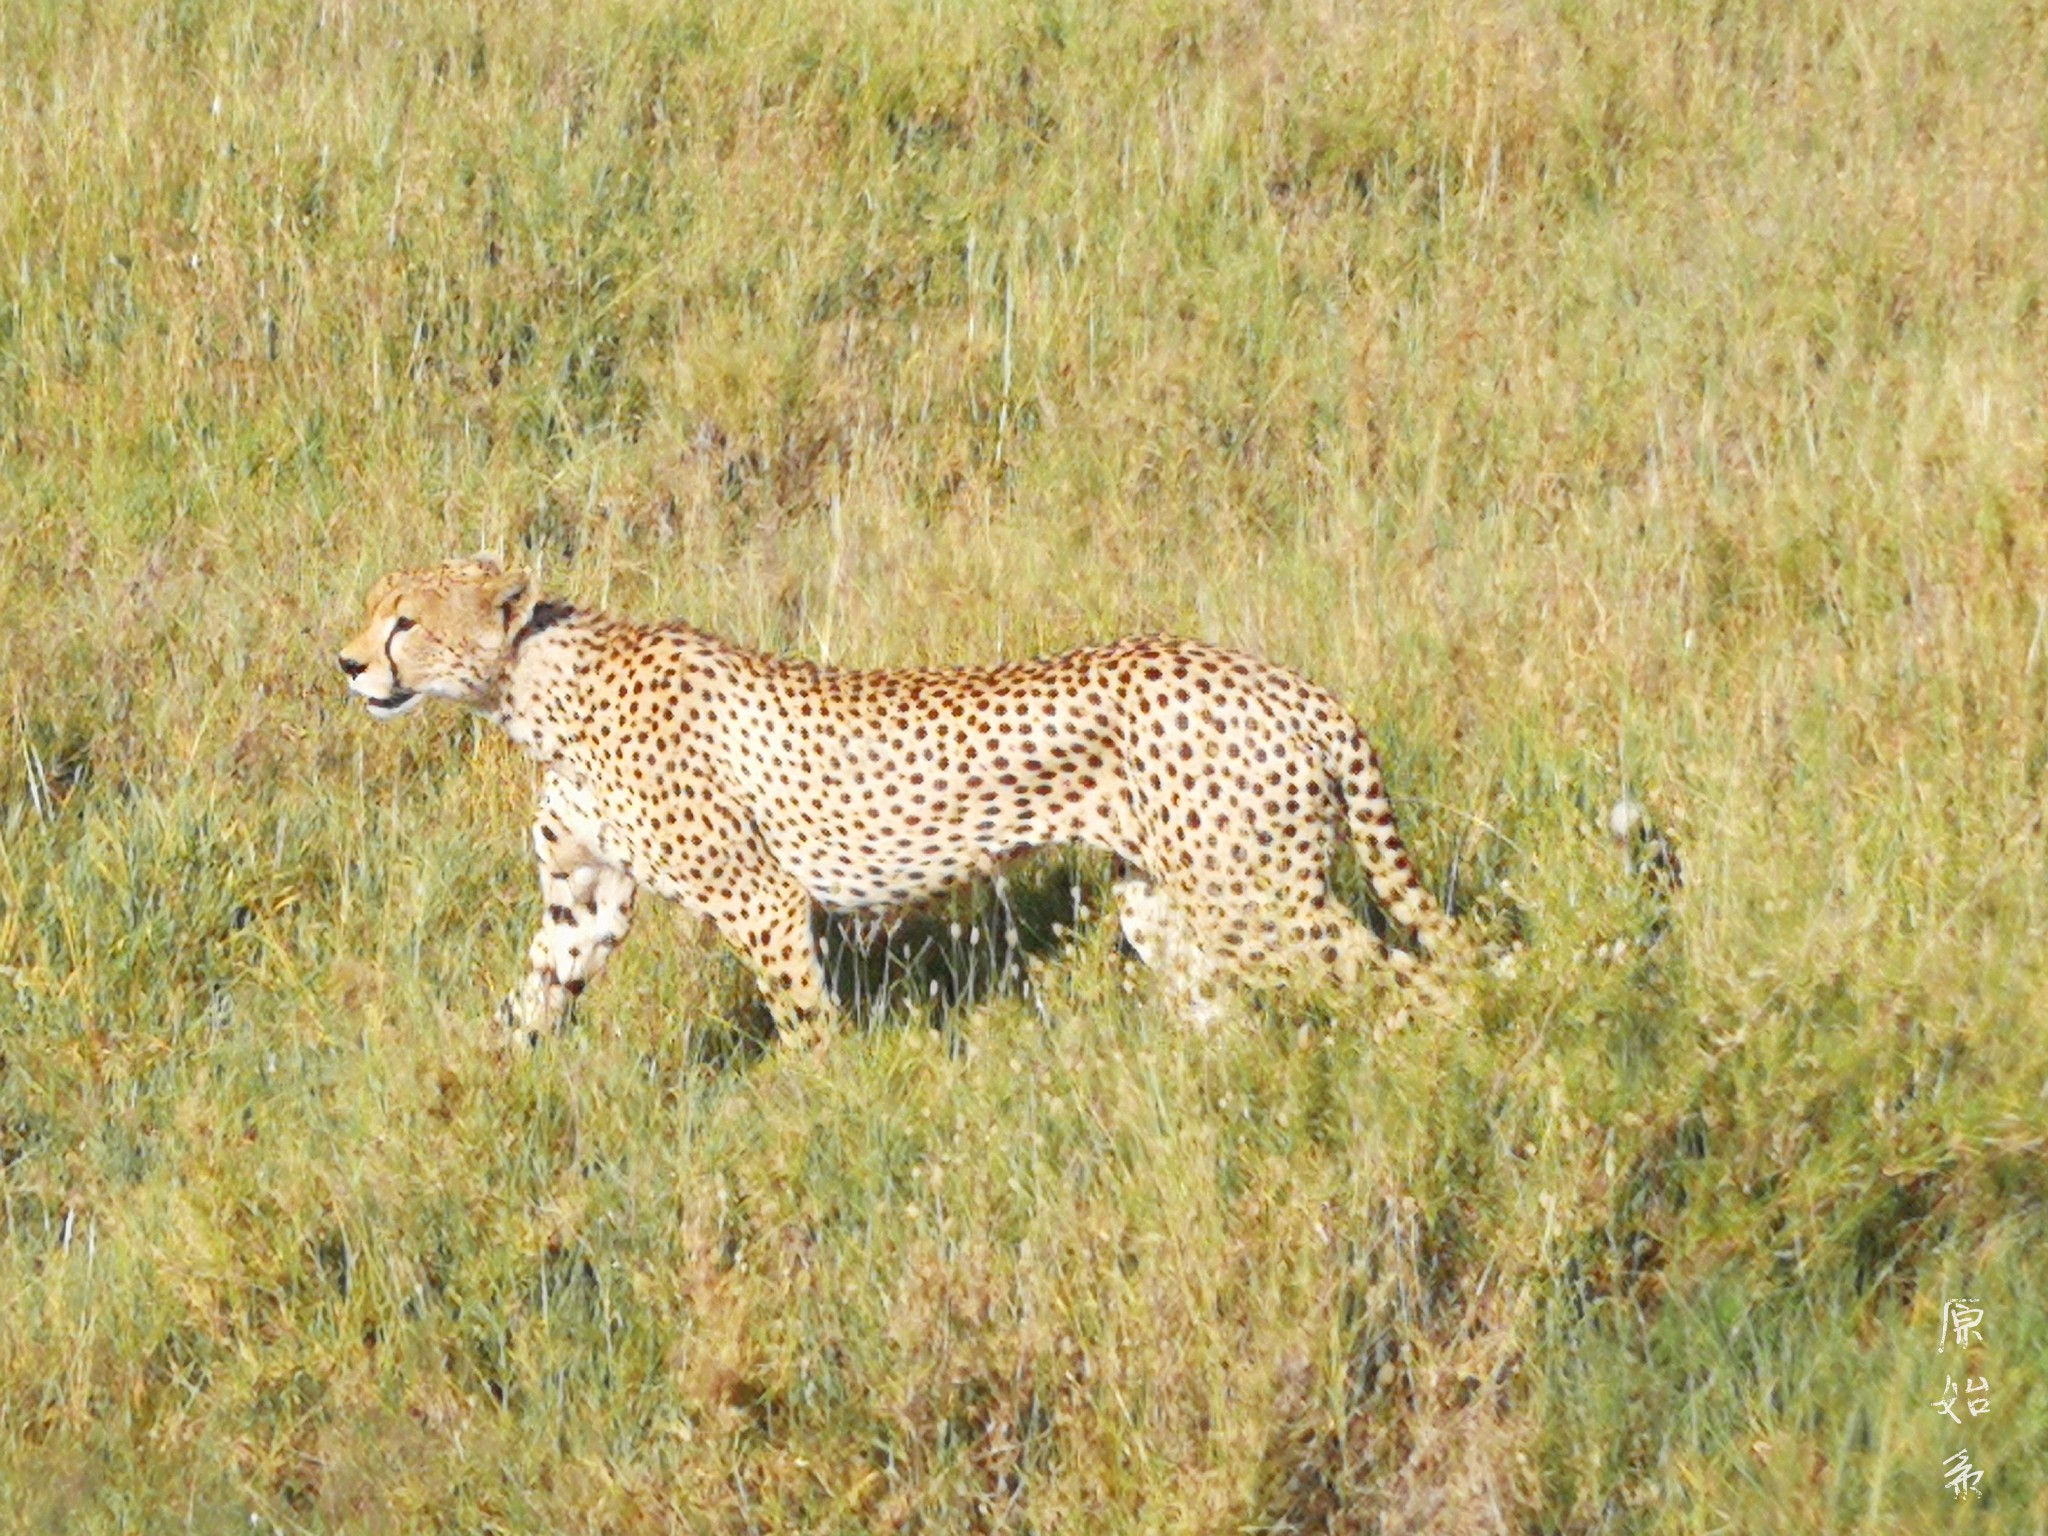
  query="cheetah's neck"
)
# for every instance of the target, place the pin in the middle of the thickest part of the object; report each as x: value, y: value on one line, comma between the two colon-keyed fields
x: 552, y: 652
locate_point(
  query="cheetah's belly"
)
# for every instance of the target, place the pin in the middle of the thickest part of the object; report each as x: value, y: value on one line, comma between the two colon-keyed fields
x: 868, y: 830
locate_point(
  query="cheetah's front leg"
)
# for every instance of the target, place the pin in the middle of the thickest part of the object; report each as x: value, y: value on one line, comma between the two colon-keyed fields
x: 766, y: 916
x: 586, y: 911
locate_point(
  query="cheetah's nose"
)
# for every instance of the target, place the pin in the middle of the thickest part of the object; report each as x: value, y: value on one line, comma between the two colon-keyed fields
x: 353, y: 668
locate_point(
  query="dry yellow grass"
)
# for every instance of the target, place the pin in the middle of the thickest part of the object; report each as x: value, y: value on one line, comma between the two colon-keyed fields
x: 1608, y: 401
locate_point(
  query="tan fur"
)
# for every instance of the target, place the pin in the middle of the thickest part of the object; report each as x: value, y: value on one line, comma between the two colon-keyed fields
x: 748, y: 788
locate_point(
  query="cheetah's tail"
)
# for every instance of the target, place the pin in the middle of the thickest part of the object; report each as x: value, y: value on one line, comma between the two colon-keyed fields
x: 1355, y: 769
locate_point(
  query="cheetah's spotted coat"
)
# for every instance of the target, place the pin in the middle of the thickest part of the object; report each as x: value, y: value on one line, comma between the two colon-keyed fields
x: 748, y: 788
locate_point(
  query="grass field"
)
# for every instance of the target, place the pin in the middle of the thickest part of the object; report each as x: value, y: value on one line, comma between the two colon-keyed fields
x: 1610, y: 402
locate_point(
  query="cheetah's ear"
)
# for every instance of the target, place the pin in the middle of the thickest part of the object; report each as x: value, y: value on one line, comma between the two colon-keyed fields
x: 508, y: 595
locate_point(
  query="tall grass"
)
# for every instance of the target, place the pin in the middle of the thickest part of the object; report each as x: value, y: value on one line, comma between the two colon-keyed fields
x: 1612, y: 402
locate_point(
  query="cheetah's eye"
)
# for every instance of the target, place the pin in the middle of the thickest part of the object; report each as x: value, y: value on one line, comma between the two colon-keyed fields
x: 399, y: 626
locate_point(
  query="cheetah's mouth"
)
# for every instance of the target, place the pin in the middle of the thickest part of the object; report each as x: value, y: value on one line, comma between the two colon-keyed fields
x: 391, y: 707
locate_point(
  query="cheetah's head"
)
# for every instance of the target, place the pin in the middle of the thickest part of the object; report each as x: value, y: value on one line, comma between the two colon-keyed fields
x: 444, y: 632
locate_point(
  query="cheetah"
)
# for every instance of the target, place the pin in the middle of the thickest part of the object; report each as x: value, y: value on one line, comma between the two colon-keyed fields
x: 751, y: 789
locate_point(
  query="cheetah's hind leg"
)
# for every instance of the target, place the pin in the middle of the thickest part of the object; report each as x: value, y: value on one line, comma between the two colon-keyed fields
x: 1159, y: 932
x: 1336, y: 948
